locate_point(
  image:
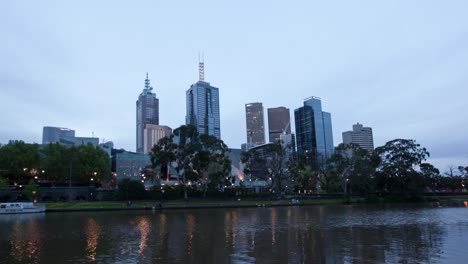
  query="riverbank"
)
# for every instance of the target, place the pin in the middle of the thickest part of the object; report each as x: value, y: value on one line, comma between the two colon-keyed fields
x: 205, y: 204
x: 177, y: 204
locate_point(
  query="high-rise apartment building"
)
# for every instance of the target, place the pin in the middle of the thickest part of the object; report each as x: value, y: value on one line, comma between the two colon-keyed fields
x: 147, y: 112
x: 152, y: 134
x: 278, y: 123
x: 54, y: 134
x: 361, y: 136
x: 202, y: 104
x: 314, y: 130
x: 255, y: 123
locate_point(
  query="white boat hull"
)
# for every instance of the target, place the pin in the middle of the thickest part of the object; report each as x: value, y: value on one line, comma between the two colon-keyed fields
x: 21, y: 208
x: 22, y: 211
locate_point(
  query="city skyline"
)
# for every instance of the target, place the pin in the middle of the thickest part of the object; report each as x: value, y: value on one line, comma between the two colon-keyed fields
x: 59, y: 72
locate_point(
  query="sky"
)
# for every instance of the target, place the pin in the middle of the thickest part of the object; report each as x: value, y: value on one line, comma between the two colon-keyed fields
x: 399, y: 67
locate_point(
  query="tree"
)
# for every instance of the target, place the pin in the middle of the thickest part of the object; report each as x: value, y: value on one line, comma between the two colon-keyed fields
x: 212, y: 163
x: 130, y: 190
x: 304, y: 177
x: 353, y: 168
x: 398, y: 161
x: 197, y: 158
x: 18, y: 159
x: 55, y: 162
x: 93, y: 162
x: 267, y: 163
x: 454, y: 178
x: 187, y: 146
x: 162, y: 154
x: 4, y: 189
x: 431, y: 175
x: 30, y: 190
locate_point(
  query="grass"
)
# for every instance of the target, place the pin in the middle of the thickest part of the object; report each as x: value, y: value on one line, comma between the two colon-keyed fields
x: 181, y: 203
x: 447, y: 197
x: 211, y: 202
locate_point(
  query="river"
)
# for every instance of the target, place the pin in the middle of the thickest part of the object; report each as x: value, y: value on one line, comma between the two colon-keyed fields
x: 306, y: 234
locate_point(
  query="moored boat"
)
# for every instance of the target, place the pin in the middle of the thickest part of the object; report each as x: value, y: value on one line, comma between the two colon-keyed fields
x: 20, y: 208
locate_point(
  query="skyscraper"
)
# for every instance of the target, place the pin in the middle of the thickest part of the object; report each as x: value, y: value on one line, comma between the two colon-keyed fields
x: 255, y: 123
x: 278, y: 123
x: 202, y: 104
x: 361, y: 136
x: 152, y: 134
x: 314, y: 130
x: 147, y: 112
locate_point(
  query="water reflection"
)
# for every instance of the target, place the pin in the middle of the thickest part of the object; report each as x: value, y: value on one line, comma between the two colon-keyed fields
x: 144, y: 228
x: 93, y: 231
x: 25, y: 241
x: 190, y: 224
x: 316, y: 234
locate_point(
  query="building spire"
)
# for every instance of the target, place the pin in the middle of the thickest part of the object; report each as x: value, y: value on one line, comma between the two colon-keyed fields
x: 147, y: 83
x: 201, y: 67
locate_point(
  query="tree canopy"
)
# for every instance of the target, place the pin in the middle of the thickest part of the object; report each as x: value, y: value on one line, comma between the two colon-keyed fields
x: 197, y: 158
x: 55, y: 163
x: 398, y: 166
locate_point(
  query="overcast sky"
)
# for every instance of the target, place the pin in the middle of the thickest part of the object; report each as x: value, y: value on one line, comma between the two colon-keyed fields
x: 400, y: 67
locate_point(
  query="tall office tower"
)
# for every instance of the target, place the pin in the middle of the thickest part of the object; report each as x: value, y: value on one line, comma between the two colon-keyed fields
x: 202, y: 101
x: 147, y: 112
x: 361, y: 136
x: 152, y: 134
x: 54, y: 134
x: 314, y: 130
x: 255, y: 123
x: 278, y: 123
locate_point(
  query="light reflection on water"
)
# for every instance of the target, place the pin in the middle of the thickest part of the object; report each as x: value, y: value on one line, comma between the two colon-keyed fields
x: 93, y: 231
x: 25, y: 241
x: 314, y: 234
x: 144, y: 228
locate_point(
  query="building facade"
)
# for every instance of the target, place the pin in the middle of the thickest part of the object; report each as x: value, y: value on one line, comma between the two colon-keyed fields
x: 361, y: 136
x: 202, y: 107
x: 255, y: 124
x: 288, y: 142
x: 279, y: 122
x: 126, y: 164
x: 147, y: 113
x: 314, y: 134
x: 54, y: 134
x: 78, y: 141
x: 152, y: 134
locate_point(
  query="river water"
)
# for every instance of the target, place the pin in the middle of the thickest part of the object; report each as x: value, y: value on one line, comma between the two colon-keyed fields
x: 307, y: 234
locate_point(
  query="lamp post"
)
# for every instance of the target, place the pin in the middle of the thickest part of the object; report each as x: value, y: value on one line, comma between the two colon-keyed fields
x: 346, y: 185
x: 92, y: 185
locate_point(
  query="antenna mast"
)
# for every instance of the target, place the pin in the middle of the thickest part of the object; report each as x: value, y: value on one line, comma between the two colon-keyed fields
x: 201, y: 67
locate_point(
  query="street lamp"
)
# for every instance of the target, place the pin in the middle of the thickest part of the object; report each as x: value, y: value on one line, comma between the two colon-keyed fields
x: 346, y: 185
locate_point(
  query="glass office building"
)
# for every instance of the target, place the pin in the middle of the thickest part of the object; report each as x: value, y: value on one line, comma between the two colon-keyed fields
x: 314, y: 130
x: 54, y: 134
x: 147, y: 112
x: 202, y: 101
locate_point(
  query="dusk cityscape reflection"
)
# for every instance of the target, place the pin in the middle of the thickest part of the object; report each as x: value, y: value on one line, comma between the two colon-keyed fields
x: 314, y: 234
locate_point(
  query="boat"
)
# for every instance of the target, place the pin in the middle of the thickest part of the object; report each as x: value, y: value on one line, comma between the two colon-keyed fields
x: 21, y: 208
